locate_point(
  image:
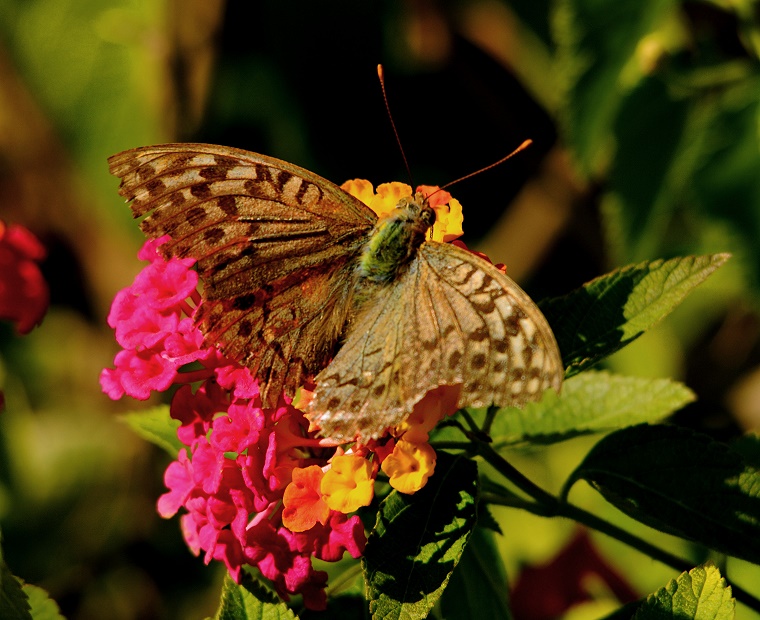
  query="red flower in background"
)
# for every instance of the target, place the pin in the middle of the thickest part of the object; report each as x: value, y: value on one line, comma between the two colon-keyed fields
x: 24, y: 295
x: 549, y: 591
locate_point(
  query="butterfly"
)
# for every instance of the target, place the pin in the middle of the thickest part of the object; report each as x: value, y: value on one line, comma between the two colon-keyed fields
x: 302, y: 280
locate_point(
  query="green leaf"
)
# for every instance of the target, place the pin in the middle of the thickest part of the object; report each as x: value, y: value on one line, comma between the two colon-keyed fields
x: 157, y: 427
x: 748, y: 446
x: 43, y: 607
x: 418, y: 540
x: 612, y: 310
x: 14, y: 604
x: 594, y: 46
x: 250, y: 601
x: 486, y: 520
x: 700, y: 594
x: 479, y: 587
x: 680, y: 482
x: 591, y: 402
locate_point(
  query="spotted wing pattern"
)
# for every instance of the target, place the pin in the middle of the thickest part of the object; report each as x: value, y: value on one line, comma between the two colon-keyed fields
x: 450, y: 319
x: 275, y: 246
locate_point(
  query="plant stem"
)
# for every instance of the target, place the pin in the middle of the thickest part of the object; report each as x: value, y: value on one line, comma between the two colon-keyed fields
x: 452, y: 445
x: 470, y: 422
x: 547, y: 505
x: 506, y: 469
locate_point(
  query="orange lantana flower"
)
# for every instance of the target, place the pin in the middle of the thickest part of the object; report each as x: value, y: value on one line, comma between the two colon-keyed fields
x: 434, y: 406
x: 448, y: 213
x: 303, y: 501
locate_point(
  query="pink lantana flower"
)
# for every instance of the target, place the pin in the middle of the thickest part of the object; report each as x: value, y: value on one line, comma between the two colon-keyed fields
x: 229, y: 481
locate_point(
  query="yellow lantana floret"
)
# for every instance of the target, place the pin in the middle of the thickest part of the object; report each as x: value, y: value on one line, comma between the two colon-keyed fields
x: 361, y: 189
x: 448, y: 221
x: 409, y: 466
x: 448, y: 210
x: 388, y: 196
x: 348, y: 484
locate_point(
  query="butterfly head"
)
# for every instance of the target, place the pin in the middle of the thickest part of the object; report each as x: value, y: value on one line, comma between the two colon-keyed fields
x: 415, y: 211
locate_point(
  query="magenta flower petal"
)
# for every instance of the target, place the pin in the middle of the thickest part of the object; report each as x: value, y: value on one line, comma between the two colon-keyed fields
x: 178, y: 478
x: 164, y: 285
x: 195, y: 411
x: 137, y: 373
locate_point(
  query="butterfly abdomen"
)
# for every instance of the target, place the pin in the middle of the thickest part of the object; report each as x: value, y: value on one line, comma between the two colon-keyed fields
x: 395, y: 240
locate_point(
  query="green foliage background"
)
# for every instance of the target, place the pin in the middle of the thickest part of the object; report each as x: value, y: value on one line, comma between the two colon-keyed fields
x: 646, y: 129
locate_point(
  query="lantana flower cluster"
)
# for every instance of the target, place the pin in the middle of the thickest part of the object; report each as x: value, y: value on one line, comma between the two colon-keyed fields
x: 257, y: 486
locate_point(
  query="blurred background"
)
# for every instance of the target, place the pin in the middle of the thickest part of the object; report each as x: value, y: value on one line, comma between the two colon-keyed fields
x: 645, y: 121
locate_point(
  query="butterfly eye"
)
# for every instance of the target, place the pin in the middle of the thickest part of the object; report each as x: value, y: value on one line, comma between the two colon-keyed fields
x: 428, y: 215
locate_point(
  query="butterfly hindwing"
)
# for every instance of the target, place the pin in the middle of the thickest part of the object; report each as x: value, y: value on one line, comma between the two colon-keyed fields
x: 273, y: 243
x: 510, y: 355
x: 283, y: 333
x: 450, y: 319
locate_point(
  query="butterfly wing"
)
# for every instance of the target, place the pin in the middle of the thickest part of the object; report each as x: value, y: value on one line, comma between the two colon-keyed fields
x: 274, y: 245
x: 450, y: 319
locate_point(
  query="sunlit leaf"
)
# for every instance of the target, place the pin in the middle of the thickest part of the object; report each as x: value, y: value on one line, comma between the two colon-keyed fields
x: 700, y: 594
x: 250, y: 601
x: 157, y: 427
x: 43, y: 607
x: 607, y: 313
x: 590, y: 402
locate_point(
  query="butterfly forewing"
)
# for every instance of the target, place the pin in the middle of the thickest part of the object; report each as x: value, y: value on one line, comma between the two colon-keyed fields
x: 235, y: 211
x: 274, y: 245
x: 450, y: 319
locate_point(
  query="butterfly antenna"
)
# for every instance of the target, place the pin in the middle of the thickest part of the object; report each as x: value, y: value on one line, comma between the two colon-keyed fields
x: 520, y: 148
x: 381, y: 77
